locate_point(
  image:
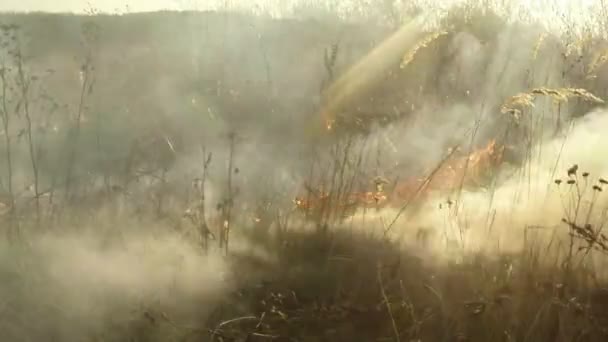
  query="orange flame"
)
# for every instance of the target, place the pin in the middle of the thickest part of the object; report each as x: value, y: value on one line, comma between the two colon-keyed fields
x: 468, y: 171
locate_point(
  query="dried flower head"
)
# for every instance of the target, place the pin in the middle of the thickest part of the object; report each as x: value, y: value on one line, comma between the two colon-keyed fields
x: 572, y: 171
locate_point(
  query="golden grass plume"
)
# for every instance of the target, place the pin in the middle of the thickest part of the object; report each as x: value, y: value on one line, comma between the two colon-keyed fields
x: 515, y: 104
x: 597, y: 62
x: 539, y: 44
x: 426, y: 41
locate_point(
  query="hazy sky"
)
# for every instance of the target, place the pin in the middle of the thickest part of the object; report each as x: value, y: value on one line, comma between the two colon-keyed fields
x: 82, y: 5
x: 136, y: 5
x: 551, y: 12
x: 150, y: 5
x: 122, y: 6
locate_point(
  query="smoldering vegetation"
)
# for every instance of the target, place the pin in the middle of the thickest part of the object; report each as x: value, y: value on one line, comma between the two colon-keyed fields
x: 150, y: 164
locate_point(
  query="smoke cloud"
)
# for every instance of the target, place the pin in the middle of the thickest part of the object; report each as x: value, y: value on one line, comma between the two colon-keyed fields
x: 170, y: 87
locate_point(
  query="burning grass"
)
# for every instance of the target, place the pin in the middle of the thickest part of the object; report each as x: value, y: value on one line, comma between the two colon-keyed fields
x: 455, y: 252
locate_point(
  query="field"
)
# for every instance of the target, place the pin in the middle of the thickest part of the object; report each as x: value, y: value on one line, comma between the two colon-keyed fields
x: 412, y: 175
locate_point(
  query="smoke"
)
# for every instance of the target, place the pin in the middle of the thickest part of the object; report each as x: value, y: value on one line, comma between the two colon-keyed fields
x: 104, y: 285
x: 525, y: 208
x: 158, y: 81
x: 521, y: 213
x: 477, y: 73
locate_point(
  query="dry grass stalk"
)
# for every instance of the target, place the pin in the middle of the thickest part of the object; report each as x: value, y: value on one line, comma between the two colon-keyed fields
x: 539, y: 44
x: 579, y: 45
x: 409, y: 56
x: 515, y: 104
x: 598, y: 61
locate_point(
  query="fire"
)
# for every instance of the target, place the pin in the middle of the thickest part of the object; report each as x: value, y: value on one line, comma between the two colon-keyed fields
x: 470, y: 171
x: 344, y: 205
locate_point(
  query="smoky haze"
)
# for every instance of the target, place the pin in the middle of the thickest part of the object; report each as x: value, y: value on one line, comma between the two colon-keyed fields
x: 152, y: 93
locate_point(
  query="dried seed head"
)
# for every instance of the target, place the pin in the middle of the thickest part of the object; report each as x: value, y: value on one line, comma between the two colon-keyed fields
x: 597, y: 188
x: 571, y: 181
x: 572, y: 171
x: 585, y: 174
x: 558, y: 181
x: 603, y: 181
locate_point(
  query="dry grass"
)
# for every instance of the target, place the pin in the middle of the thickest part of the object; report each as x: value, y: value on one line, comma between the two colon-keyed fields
x: 516, y: 104
x: 358, y: 287
x: 425, y: 42
x: 128, y: 257
x: 539, y: 44
x: 598, y: 61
